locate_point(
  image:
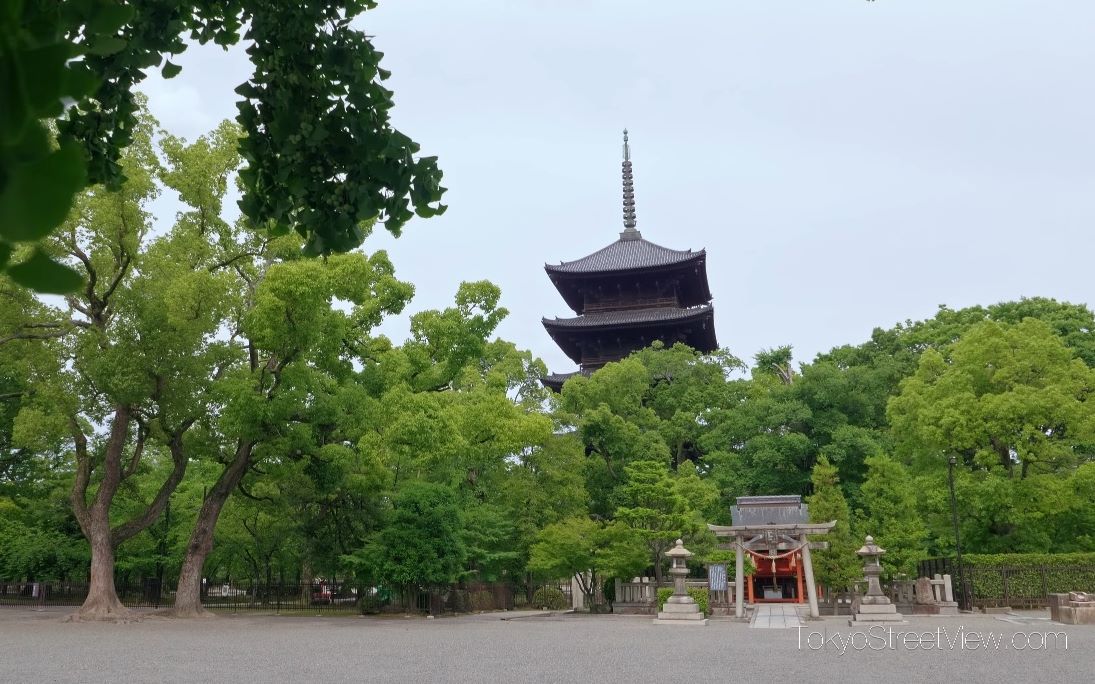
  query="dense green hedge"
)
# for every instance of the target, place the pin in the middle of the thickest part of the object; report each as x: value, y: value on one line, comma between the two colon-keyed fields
x: 1015, y: 560
x: 1029, y: 575
x: 698, y: 594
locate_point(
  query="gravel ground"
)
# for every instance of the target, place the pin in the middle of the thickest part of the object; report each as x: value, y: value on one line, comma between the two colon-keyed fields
x: 38, y: 647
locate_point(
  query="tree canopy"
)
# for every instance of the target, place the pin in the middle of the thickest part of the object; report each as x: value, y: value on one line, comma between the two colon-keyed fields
x: 320, y: 157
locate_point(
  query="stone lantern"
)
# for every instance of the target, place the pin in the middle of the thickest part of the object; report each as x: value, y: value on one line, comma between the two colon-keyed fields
x: 870, y: 553
x: 874, y: 606
x: 680, y: 608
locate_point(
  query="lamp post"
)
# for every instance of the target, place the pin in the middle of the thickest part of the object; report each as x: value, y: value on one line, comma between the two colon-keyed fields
x: 951, y: 462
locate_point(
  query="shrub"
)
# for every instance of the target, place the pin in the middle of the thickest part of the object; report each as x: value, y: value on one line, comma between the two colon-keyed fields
x: 1029, y: 575
x: 698, y: 594
x: 550, y: 598
x: 1015, y: 560
x: 1031, y: 583
x: 481, y: 600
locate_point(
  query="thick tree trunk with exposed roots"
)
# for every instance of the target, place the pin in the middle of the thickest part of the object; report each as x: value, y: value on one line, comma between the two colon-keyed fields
x: 102, y: 598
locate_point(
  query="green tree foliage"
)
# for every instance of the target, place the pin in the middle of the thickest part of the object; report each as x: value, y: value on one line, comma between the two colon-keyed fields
x: 322, y: 158
x: 838, y: 566
x: 421, y: 545
x: 892, y: 515
x: 655, y: 405
x: 652, y: 505
x: 588, y: 551
x: 1011, y: 403
x: 1010, y: 399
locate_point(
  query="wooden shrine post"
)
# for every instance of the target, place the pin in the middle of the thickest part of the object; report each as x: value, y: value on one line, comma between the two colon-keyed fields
x: 739, y: 578
x: 798, y: 578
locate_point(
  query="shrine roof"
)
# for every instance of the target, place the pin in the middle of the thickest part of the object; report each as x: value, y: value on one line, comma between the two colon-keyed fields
x: 769, y: 510
x: 630, y: 252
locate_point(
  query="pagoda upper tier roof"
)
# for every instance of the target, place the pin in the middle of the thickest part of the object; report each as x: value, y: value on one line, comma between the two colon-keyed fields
x: 629, y: 318
x: 630, y: 252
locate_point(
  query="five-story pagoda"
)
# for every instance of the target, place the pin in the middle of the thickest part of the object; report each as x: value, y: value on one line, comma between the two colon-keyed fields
x: 628, y: 295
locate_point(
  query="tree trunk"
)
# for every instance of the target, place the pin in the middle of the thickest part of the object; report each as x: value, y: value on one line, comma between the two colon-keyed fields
x: 188, y: 594
x: 659, y: 577
x: 102, y: 598
x: 306, y: 577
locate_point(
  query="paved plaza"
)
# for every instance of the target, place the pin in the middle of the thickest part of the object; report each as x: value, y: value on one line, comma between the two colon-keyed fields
x: 38, y: 647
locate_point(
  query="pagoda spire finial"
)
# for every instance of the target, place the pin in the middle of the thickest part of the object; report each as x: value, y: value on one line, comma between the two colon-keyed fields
x: 629, y: 232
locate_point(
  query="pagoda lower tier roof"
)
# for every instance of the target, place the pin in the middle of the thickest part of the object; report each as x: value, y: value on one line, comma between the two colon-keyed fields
x: 630, y: 252
x: 694, y: 326
x: 630, y: 318
x: 554, y: 381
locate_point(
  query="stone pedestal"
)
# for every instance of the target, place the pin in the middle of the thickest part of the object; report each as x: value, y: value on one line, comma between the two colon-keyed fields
x: 1076, y: 608
x: 939, y: 608
x: 874, y: 607
x: 680, y: 609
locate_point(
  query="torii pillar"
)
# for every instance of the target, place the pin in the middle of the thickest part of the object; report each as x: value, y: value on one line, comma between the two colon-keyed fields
x: 808, y: 568
x: 739, y: 578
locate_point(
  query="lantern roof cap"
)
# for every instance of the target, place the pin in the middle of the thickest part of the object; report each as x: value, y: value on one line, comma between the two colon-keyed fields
x: 679, y: 551
x: 870, y: 548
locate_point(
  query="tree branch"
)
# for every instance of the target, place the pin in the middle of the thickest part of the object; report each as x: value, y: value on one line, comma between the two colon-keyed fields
x: 78, y: 496
x: 136, y: 524
x: 230, y: 261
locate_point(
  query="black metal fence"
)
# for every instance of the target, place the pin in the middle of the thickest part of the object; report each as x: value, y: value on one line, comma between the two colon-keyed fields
x: 284, y: 598
x: 143, y: 594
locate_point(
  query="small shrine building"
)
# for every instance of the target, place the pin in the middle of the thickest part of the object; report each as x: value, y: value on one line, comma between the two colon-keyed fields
x: 629, y: 294
x: 773, y: 531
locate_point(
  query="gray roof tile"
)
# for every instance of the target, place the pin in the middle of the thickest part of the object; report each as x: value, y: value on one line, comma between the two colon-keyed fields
x: 629, y: 252
x: 628, y: 317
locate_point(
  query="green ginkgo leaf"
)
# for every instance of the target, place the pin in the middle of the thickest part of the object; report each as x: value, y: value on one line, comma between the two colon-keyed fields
x: 42, y: 274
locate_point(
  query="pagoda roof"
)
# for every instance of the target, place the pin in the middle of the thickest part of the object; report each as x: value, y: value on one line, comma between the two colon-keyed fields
x: 630, y: 253
x: 629, y: 318
x: 554, y: 381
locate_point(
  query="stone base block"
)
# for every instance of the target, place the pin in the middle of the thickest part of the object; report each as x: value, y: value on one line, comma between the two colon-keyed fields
x: 878, y: 614
x: 892, y: 617
x: 680, y: 608
x: 678, y: 622
x: 867, y: 624
x: 948, y: 608
x: 941, y: 608
x: 878, y: 609
x: 1074, y: 615
x: 690, y: 616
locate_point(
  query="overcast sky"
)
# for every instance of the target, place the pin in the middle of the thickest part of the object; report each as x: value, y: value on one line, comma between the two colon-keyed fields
x: 846, y: 164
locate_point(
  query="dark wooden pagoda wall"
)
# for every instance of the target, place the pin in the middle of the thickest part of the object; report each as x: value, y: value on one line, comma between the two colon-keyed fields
x: 599, y: 350
x: 624, y: 295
